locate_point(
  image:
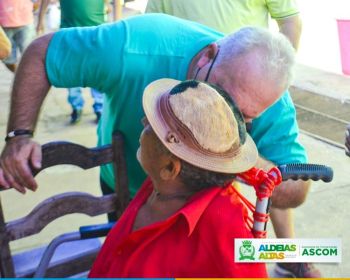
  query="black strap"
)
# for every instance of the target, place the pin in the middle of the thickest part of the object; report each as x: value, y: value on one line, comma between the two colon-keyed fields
x: 18, y: 132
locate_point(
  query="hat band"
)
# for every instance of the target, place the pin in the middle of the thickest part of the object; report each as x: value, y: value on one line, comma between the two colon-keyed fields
x: 180, y: 133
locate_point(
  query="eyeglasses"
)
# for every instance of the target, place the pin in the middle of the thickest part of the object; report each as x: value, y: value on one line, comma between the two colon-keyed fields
x: 211, y: 66
x: 248, y: 125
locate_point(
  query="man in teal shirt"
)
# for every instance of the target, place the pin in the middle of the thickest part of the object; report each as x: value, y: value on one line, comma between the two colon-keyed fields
x: 228, y: 16
x: 121, y: 59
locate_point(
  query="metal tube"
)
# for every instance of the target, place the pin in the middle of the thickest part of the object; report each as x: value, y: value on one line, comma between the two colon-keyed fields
x: 50, y: 250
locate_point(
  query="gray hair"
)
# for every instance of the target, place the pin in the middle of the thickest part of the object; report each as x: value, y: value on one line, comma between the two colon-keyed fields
x: 275, y: 54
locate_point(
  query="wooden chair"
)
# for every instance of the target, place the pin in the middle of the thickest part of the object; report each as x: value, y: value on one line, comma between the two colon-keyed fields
x: 66, y: 264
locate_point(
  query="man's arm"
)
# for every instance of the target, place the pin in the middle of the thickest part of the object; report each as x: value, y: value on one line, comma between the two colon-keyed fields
x: 291, y: 27
x: 43, y: 7
x: 30, y: 87
x: 117, y: 10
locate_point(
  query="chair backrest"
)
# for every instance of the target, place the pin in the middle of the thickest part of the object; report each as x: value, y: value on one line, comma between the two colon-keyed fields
x: 55, y: 153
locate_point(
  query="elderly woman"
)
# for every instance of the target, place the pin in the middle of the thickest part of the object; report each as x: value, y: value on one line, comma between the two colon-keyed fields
x: 184, y: 219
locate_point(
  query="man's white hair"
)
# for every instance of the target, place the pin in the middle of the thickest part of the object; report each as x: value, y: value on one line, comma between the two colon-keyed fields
x: 275, y: 54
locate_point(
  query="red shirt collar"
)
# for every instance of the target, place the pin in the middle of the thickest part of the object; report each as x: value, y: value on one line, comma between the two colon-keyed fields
x: 195, y: 206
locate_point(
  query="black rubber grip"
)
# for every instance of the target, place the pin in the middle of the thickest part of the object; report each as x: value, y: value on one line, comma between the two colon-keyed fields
x: 102, y: 230
x: 303, y: 171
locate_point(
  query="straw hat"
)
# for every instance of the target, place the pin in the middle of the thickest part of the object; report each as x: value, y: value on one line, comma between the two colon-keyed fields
x: 197, y: 125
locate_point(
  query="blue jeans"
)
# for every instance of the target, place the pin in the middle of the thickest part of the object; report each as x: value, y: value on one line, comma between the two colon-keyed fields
x: 20, y: 38
x: 76, y: 100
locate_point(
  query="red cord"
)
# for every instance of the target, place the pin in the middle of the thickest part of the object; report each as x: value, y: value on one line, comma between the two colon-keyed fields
x: 259, y: 234
x: 264, y: 183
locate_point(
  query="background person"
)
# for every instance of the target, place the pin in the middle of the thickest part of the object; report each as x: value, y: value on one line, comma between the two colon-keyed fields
x: 227, y: 16
x: 76, y: 13
x: 16, y: 18
x: 187, y: 205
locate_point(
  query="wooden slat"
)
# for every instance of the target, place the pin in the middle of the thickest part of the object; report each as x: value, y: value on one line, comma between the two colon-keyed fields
x: 58, y: 206
x: 56, y: 153
x: 6, y: 263
x: 121, y: 178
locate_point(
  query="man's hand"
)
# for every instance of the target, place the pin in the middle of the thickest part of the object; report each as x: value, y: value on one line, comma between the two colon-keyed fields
x: 289, y: 194
x: 20, y: 155
x: 30, y: 88
x: 347, y: 140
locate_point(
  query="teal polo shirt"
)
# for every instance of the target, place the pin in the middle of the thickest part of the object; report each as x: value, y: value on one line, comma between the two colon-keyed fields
x: 122, y: 58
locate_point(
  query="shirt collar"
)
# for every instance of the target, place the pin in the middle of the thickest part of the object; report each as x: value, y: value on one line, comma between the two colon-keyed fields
x: 195, y: 207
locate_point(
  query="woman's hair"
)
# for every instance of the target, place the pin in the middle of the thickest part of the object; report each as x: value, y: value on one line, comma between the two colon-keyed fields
x: 196, y: 179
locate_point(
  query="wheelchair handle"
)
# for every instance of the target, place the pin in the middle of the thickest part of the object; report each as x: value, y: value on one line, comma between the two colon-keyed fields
x: 315, y: 172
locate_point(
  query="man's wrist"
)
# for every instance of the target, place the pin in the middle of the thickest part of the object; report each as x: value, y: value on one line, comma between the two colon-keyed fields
x: 18, y: 132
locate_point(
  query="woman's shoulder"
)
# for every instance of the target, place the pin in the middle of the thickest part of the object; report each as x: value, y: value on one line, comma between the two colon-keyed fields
x: 227, y: 210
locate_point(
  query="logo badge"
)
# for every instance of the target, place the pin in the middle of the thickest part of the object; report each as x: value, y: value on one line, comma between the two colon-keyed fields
x: 309, y: 250
x: 246, y: 251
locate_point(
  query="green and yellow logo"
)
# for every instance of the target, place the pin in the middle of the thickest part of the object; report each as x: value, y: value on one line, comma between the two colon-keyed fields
x: 246, y: 251
x: 275, y: 251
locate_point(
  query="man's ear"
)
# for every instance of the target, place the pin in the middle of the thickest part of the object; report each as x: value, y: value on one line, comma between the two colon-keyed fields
x: 171, y: 170
x: 208, y: 54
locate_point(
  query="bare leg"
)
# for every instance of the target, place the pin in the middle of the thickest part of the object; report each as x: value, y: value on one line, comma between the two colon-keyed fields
x: 283, y: 223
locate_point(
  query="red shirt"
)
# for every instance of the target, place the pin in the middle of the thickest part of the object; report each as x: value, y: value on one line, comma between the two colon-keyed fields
x: 16, y: 13
x: 196, y: 241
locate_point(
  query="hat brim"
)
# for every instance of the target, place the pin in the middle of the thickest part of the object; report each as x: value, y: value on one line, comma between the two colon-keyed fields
x: 245, y: 158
